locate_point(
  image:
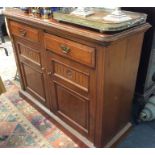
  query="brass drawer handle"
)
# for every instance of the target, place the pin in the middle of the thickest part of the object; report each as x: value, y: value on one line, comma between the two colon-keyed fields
x: 65, y: 49
x: 23, y: 33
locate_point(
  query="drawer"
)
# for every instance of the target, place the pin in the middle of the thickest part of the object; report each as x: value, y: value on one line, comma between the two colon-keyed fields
x: 24, y: 31
x: 71, y: 75
x: 70, y: 49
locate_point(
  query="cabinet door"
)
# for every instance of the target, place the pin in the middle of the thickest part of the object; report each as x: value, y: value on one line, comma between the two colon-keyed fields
x: 71, y: 91
x: 32, y: 71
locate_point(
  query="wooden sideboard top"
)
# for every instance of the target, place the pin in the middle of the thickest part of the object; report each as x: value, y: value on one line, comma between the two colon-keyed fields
x: 85, y: 33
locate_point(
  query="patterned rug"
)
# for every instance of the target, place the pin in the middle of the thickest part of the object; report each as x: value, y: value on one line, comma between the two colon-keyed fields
x: 22, y: 126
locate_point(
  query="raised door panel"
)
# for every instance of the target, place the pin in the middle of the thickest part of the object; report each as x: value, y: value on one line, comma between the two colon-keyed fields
x: 72, y: 108
x: 71, y: 75
x: 34, y: 82
x: 29, y: 55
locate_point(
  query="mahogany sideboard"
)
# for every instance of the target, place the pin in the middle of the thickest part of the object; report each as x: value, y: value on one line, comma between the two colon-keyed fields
x: 82, y: 79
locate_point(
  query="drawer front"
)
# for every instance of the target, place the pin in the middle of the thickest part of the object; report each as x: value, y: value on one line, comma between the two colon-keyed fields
x: 72, y: 50
x: 71, y: 75
x: 24, y: 31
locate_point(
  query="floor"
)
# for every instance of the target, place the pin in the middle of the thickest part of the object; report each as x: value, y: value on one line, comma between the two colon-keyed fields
x: 141, y: 136
x: 22, y: 126
x: 7, y: 63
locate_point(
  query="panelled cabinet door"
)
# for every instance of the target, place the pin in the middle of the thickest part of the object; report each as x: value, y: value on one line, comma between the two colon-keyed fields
x: 33, y: 76
x: 71, y: 94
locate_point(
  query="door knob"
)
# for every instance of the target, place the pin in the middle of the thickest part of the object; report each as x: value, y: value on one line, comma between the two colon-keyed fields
x: 49, y: 73
x: 42, y: 68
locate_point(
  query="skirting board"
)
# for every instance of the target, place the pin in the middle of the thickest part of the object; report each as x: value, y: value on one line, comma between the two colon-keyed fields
x: 119, y: 136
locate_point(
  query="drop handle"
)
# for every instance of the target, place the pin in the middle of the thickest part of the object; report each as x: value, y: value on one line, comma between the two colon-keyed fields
x: 65, y: 49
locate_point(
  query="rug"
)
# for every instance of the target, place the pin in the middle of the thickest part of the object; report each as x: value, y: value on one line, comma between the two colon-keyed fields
x: 21, y: 125
x: 15, y: 130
